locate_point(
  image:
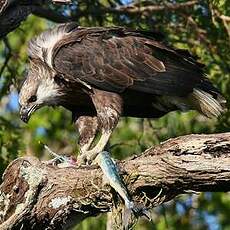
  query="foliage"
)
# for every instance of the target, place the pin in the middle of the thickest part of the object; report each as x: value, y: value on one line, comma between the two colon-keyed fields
x: 200, y: 28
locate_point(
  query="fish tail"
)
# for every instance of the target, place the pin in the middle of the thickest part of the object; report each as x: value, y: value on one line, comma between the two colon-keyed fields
x: 132, y: 212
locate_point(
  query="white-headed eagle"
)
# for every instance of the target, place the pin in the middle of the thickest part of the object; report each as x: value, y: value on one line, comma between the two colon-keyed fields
x: 101, y: 74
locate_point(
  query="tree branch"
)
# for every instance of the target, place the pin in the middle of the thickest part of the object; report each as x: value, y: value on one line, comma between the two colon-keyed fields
x: 135, y: 8
x: 12, y: 16
x: 51, y: 15
x: 36, y: 194
x: 62, y: 1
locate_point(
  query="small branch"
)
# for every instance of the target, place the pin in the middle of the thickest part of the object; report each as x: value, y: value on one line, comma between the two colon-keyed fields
x: 226, y: 22
x: 226, y: 18
x: 62, y: 1
x: 36, y: 194
x: 3, y: 5
x: 134, y: 8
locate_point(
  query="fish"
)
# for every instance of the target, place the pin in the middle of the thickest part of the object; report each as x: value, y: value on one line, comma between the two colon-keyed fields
x: 110, y: 171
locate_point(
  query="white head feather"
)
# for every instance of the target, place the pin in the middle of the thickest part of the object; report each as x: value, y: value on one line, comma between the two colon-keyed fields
x: 42, y: 46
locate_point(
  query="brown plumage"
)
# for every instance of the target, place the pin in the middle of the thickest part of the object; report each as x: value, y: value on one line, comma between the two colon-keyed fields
x: 113, y: 72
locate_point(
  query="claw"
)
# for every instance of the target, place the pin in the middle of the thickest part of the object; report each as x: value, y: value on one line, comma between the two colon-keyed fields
x: 84, y: 160
x: 87, y: 158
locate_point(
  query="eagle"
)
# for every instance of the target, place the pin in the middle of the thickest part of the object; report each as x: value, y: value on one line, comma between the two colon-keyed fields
x: 103, y: 73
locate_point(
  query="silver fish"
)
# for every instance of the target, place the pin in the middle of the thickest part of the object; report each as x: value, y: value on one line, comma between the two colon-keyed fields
x: 111, y: 173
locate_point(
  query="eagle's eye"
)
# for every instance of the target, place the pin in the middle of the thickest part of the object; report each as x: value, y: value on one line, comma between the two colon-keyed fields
x: 32, y: 99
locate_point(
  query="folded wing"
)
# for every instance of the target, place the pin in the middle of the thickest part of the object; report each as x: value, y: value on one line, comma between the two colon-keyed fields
x: 115, y: 60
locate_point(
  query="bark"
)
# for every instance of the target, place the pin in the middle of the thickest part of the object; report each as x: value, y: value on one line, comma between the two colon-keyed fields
x: 13, y: 12
x: 35, y: 195
x: 12, y: 17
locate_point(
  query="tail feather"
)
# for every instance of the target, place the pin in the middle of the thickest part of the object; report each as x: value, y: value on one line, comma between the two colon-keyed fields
x: 210, y: 104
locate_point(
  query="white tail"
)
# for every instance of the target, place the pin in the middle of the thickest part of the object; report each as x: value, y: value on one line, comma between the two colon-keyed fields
x: 206, y: 104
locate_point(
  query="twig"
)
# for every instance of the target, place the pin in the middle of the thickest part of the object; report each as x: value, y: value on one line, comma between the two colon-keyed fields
x: 226, y: 22
x: 62, y: 1
x: 226, y: 18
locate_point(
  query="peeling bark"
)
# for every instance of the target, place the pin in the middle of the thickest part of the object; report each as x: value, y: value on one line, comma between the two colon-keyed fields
x: 35, y: 195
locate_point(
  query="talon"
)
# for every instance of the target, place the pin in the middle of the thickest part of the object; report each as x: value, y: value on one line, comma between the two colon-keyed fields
x: 82, y: 159
x: 55, y: 161
x: 86, y: 159
x: 89, y: 161
x: 89, y: 155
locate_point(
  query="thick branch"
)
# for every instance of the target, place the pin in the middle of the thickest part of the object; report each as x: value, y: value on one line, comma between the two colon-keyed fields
x: 12, y: 13
x: 12, y: 17
x: 36, y: 194
x: 51, y: 15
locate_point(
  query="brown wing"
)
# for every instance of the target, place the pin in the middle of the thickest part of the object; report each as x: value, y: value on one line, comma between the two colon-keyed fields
x: 114, y: 59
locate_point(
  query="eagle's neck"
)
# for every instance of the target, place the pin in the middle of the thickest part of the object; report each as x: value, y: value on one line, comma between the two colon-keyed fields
x: 42, y: 46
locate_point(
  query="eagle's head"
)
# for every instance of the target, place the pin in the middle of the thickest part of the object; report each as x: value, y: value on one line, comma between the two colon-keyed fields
x: 39, y: 89
x: 43, y: 86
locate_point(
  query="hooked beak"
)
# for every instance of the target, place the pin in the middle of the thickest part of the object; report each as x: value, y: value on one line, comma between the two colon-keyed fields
x: 26, y: 112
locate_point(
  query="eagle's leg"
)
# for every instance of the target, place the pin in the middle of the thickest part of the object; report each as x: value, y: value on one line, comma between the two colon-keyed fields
x: 109, y: 108
x: 90, y: 155
x: 87, y: 127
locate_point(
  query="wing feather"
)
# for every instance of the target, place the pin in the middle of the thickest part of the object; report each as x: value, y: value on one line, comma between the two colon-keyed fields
x: 117, y: 60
